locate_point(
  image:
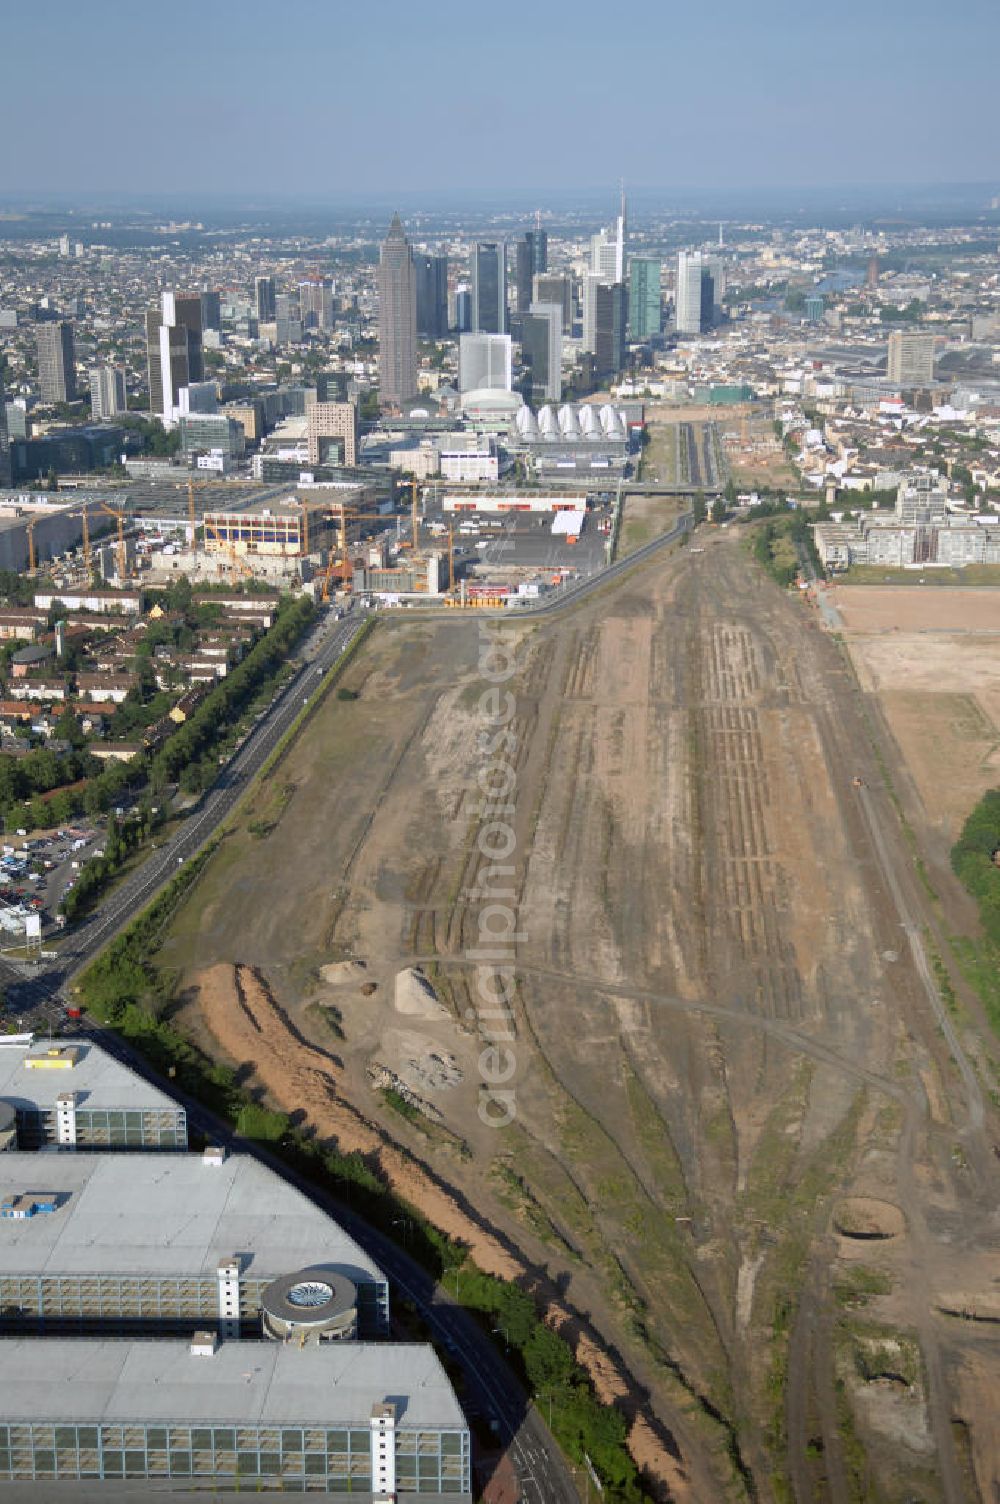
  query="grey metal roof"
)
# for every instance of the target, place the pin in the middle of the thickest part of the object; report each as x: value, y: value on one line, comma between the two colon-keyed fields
x: 99, y: 1080
x: 167, y: 1214
x: 242, y: 1384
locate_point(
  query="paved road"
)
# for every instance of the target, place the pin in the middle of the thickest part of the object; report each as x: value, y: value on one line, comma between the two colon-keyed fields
x: 37, y: 997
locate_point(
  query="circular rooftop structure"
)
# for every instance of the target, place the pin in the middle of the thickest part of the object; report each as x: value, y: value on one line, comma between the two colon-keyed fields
x: 316, y: 1303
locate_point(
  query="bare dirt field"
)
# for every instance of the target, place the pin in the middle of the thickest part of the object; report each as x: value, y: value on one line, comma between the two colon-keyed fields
x: 932, y: 659
x: 721, y: 1033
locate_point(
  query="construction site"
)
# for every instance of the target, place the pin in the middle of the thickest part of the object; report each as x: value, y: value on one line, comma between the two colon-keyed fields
x: 750, y: 1171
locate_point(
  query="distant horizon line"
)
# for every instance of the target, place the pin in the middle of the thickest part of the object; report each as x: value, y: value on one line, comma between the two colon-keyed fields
x: 26, y: 199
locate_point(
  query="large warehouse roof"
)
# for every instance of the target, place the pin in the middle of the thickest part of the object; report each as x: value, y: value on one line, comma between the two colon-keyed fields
x: 166, y: 1214
x: 241, y: 1384
x: 79, y: 1067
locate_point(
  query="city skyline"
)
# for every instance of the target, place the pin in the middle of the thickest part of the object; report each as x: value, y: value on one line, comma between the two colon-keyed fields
x: 750, y: 110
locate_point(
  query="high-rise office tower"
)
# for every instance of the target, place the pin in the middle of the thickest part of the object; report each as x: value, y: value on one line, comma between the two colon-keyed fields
x: 463, y: 310
x: 107, y: 392
x: 610, y: 320
x: 607, y: 249
x: 56, y: 370
x: 541, y: 349
x: 522, y: 275
x: 316, y: 303
x: 485, y: 361
x: 211, y: 311
x: 173, y: 351
x: 432, y: 295
x: 591, y: 282
x: 700, y: 286
x: 911, y: 358
x: 644, y: 313
x: 397, y: 318
x: 5, y: 476
x: 264, y: 294
x: 538, y: 239
x: 489, y: 287
x: 547, y: 287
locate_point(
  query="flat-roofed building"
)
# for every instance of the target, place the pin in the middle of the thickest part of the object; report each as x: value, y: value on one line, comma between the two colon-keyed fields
x: 287, y: 529
x: 375, y: 1421
x: 332, y: 433
x: 168, y: 1242
x: 74, y: 1094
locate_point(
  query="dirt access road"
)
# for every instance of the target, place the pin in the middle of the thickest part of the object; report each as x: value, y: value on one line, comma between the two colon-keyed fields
x: 743, y: 1155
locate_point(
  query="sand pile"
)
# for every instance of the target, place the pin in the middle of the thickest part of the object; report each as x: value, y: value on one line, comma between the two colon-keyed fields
x: 416, y: 997
x: 343, y: 973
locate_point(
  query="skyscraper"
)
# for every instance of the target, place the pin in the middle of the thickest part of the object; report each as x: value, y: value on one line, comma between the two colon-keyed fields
x: 107, y: 392
x: 548, y: 287
x: 5, y: 476
x: 541, y: 349
x: 911, y: 358
x: 610, y: 319
x: 316, y: 303
x: 489, y: 287
x: 173, y: 351
x: 56, y: 370
x: 700, y: 286
x: 211, y: 310
x: 432, y: 295
x: 397, y: 318
x: 607, y: 249
x: 644, y: 297
x: 264, y: 293
x: 523, y: 273
x: 484, y: 361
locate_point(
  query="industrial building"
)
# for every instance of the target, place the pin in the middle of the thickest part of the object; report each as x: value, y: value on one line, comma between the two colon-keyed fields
x: 75, y: 1095
x: 151, y: 1243
x: 373, y: 1421
x: 510, y: 501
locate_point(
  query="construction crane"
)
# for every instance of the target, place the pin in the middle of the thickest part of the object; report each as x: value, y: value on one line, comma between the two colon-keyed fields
x: 29, y: 528
x: 414, y: 522
x: 230, y: 548
x: 338, y: 557
x: 202, y: 485
x: 118, y: 513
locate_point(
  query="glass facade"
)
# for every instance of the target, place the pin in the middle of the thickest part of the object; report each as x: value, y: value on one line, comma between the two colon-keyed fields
x: 108, y: 1128
x: 287, y: 1458
x: 73, y: 1302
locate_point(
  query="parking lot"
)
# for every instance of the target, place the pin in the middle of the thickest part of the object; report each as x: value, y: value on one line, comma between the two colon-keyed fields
x: 518, y: 544
x: 36, y: 871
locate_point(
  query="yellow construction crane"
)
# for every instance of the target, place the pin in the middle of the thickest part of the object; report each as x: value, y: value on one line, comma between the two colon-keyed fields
x: 30, y: 530
x: 451, y: 557
x: 338, y: 557
x: 202, y: 485
x: 118, y: 513
x: 413, y: 517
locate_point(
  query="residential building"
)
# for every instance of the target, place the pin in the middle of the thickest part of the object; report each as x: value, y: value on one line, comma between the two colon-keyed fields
x: 264, y: 297
x: 911, y: 357
x: 332, y: 433
x: 485, y: 362
x: 56, y: 356
x: 489, y: 287
x: 644, y: 304
x: 107, y: 391
x: 541, y: 350
x: 431, y: 274
x: 397, y: 319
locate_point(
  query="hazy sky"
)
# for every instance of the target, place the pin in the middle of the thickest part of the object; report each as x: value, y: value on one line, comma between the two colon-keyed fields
x: 316, y: 98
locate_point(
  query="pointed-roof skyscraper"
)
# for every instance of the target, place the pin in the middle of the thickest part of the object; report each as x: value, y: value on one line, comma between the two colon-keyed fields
x: 397, y: 318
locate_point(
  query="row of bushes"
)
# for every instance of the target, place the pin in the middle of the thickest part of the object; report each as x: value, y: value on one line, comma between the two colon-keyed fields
x: 123, y: 988
x: 972, y: 861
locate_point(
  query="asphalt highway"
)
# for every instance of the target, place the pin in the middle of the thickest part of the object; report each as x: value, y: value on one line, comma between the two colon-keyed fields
x: 35, y: 995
